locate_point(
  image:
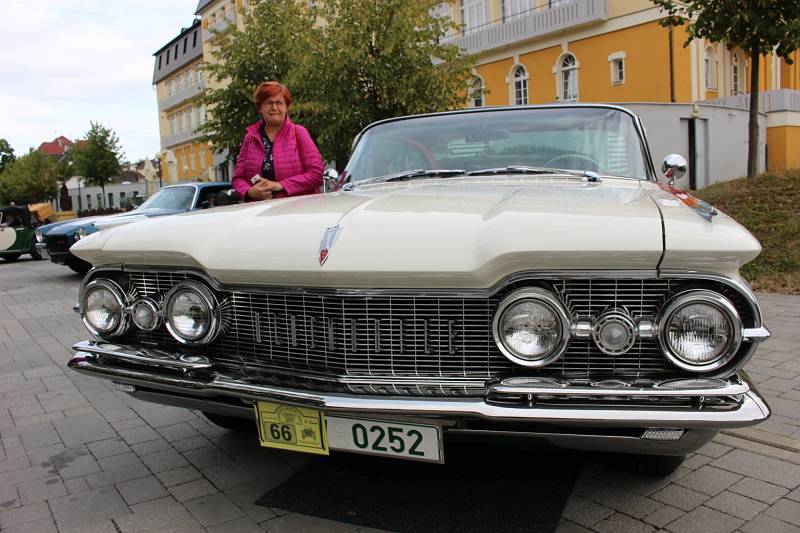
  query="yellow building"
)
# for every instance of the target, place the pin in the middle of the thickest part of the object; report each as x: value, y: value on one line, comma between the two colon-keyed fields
x: 543, y: 51
x: 180, y: 82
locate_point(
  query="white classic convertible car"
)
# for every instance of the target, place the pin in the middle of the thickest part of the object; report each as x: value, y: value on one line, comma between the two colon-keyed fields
x: 493, y: 272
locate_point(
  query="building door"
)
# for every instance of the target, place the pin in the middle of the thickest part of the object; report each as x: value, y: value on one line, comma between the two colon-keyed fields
x: 515, y: 8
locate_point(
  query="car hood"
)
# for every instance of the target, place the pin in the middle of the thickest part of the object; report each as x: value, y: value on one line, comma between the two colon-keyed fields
x: 70, y: 226
x: 431, y: 233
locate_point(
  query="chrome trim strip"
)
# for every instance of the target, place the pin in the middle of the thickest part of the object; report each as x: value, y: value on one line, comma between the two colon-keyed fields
x: 731, y: 388
x: 756, y: 334
x: 144, y: 356
x: 751, y: 410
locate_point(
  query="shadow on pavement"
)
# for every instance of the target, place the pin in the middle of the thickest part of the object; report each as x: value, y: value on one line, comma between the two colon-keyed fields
x: 480, y: 488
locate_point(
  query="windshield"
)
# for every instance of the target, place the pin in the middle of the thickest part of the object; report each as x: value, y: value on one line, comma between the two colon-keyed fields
x: 597, y: 139
x: 176, y: 198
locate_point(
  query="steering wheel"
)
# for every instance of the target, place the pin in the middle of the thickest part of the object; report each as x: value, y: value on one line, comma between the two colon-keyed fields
x: 575, y: 157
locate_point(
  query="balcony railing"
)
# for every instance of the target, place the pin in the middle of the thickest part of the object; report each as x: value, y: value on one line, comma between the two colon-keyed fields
x: 769, y: 101
x: 219, y: 25
x: 536, y: 23
x: 181, y: 137
x: 181, y: 96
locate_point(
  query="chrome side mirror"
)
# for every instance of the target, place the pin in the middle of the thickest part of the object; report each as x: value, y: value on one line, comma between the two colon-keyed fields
x: 330, y: 180
x: 673, y: 167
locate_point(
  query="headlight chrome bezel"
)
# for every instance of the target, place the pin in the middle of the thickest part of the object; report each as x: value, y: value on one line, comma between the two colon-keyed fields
x: 154, y: 308
x: 713, y: 299
x: 119, y: 296
x: 542, y: 297
x: 208, y: 299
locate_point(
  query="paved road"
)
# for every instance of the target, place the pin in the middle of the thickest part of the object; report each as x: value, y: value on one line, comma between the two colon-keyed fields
x: 78, y: 456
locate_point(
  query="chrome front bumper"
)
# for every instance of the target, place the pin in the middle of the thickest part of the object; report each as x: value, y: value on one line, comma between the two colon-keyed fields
x: 191, y: 382
x: 41, y: 247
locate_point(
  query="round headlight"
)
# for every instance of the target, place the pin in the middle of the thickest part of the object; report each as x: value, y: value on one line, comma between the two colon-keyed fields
x: 103, y: 308
x: 191, y: 313
x: 144, y: 314
x: 531, y: 327
x: 38, y: 235
x: 700, y: 330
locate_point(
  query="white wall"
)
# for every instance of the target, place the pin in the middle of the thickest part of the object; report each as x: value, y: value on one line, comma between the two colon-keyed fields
x: 115, y: 188
x: 721, y: 138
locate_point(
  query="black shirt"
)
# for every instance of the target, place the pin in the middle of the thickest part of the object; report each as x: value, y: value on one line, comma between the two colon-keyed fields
x: 268, y: 164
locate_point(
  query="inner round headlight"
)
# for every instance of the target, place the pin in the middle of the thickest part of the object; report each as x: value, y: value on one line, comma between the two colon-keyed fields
x: 144, y: 314
x: 191, y: 313
x: 103, y: 308
x: 38, y: 235
x: 531, y: 326
x: 700, y: 330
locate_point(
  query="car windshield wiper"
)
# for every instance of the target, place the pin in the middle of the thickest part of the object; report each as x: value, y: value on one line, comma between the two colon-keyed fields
x: 519, y: 169
x: 410, y: 175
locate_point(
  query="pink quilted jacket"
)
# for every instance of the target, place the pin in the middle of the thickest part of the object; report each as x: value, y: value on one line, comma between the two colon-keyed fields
x: 298, y: 163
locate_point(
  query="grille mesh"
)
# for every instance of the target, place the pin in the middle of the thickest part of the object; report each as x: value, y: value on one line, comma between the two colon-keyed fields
x: 397, y: 343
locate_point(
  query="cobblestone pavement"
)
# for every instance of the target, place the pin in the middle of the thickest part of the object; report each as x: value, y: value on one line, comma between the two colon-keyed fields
x: 79, y: 456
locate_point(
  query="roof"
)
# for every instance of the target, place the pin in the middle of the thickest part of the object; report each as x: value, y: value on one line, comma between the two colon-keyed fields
x: 201, y: 5
x: 57, y: 146
x: 183, y: 49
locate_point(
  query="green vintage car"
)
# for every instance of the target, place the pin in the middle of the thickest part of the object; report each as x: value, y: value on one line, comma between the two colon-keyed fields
x: 17, y: 229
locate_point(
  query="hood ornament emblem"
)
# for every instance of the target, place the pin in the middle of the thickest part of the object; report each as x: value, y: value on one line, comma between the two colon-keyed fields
x: 328, y: 239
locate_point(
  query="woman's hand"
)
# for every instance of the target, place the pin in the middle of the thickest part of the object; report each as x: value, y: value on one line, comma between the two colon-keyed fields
x: 260, y: 191
x: 272, y: 186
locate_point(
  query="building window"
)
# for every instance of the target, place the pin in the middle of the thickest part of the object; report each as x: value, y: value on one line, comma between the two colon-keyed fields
x: 737, y: 75
x: 711, y: 69
x: 520, y: 78
x: 171, y: 86
x: 176, y: 51
x: 191, y: 157
x: 192, y: 111
x: 555, y: 3
x: 194, y: 39
x: 190, y: 78
x: 172, y: 125
x: 473, y: 15
x: 199, y: 76
x: 202, y: 113
x: 180, y: 83
x: 111, y: 199
x: 617, y: 61
x: 512, y: 9
x: 202, y: 156
x: 185, y: 44
x: 181, y: 121
x: 159, y: 62
x: 167, y: 57
x: 476, y: 92
x: 99, y: 199
x: 88, y: 201
x: 568, y: 78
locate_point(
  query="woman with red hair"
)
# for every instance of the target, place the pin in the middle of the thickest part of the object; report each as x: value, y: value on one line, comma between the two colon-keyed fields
x: 277, y: 158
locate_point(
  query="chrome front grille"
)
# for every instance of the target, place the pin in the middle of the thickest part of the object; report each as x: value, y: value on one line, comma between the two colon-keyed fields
x: 388, y: 342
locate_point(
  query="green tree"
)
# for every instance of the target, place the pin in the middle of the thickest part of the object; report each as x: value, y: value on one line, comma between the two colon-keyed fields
x: 98, y: 158
x: 758, y: 27
x: 377, y: 60
x: 30, y: 178
x: 6, y: 155
x: 274, y: 39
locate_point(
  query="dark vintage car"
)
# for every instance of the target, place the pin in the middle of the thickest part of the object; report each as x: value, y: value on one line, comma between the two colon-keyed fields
x: 17, y: 228
x: 54, y: 240
x: 493, y: 272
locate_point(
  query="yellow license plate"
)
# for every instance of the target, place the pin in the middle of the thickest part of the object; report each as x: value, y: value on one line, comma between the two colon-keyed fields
x: 287, y: 427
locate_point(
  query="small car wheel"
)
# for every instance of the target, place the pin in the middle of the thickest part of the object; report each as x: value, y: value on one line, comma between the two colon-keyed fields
x: 35, y: 254
x: 233, y: 423
x: 11, y: 257
x: 652, y: 465
x: 79, y: 265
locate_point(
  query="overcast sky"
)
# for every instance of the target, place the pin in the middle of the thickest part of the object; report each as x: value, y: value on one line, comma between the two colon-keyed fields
x: 68, y: 62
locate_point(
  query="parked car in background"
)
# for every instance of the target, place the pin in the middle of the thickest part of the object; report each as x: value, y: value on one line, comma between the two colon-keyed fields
x: 17, y: 227
x: 54, y: 240
x: 493, y: 272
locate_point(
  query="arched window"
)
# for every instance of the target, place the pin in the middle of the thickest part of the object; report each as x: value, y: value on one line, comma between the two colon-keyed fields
x: 520, y: 78
x: 711, y: 68
x: 568, y: 78
x: 737, y: 74
x: 476, y: 92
